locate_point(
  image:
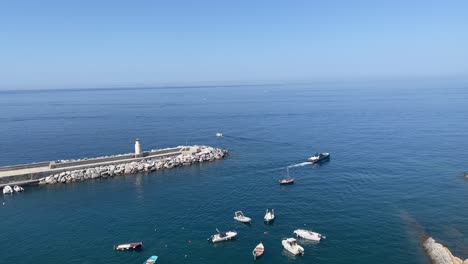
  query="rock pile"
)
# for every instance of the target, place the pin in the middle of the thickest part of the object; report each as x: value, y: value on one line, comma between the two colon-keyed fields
x: 190, y: 155
x: 440, y: 254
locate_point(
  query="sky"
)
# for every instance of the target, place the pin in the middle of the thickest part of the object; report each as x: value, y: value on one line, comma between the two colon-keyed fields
x: 80, y: 44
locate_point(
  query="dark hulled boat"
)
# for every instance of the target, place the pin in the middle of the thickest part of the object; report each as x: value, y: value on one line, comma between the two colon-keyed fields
x: 318, y: 157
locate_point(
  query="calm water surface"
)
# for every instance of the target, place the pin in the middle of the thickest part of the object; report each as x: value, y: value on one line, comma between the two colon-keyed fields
x: 398, y: 155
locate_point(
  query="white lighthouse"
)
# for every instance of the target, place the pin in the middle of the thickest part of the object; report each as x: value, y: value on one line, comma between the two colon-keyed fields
x: 137, y: 148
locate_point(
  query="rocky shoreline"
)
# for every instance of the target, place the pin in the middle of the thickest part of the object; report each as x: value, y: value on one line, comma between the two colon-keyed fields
x: 440, y: 254
x: 194, y: 155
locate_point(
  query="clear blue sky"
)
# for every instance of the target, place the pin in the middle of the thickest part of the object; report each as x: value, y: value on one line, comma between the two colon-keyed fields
x: 60, y: 44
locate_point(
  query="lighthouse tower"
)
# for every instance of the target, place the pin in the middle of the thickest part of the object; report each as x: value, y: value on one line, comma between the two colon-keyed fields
x: 137, y: 148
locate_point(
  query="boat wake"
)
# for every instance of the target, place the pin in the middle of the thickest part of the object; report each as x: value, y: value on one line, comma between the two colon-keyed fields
x: 300, y: 164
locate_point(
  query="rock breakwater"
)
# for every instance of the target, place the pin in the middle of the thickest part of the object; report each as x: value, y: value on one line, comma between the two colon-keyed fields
x: 440, y: 254
x: 188, y: 156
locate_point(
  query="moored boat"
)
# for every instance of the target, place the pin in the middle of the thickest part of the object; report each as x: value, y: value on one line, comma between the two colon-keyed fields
x: 129, y: 246
x: 290, y: 244
x: 269, y: 215
x: 309, y: 235
x: 18, y: 188
x: 151, y: 260
x: 258, y: 251
x: 222, y: 236
x: 318, y: 157
x: 7, y: 190
x: 239, y: 216
x: 219, y: 134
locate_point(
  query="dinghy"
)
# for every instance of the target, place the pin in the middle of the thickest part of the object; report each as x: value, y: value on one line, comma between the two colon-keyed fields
x: 18, y: 188
x: 258, y: 251
x: 269, y: 215
x: 309, y: 235
x: 239, y: 216
x: 129, y: 246
x: 151, y: 260
x: 222, y: 236
x: 7, y: 190
x: 290, y: 244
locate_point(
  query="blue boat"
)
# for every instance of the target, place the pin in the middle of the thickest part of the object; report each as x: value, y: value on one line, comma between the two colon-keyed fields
x: 151, y: 260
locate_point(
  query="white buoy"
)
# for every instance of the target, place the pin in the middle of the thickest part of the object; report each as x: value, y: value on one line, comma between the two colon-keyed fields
x: 137, y: 148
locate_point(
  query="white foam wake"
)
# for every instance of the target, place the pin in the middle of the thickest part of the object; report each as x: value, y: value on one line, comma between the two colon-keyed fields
x: 299, y: 164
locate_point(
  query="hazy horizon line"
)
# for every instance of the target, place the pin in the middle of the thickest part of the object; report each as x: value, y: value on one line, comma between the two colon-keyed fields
x: 227, y: 84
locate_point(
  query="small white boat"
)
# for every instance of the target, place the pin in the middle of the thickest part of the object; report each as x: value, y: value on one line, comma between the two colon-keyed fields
x: 239, y: 216
x: 219, y: 134
x: 290, y: 244
x: 269, y: 215
x: 309, y: 235
x: 18, y: 188
x: 7, y: 190
x: 222, y: 236
x: 258, y: 251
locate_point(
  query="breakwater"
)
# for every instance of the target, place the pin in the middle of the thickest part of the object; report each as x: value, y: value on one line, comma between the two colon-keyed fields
x: 65, y: 171
x: 440, y: 254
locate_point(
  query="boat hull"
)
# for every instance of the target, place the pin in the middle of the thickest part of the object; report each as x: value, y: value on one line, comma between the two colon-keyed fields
x: 326, y: 156
x: 258, y: 251
x: 309, y: 235
x: 295, y: 250
x: 220, y: 238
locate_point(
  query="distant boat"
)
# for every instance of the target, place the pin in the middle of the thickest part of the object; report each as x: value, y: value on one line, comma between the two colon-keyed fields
x: 222, y: 236
x: 239, y: 216
x: 288, y: 179
x: 18, y: 188
x: 269, y: 215
x: 258, y: 251
x: 318, y: 157
x: 290, y: 244
x: 129, y: 246
x: 306, y: 234
x: 7, y: 190
x: 219, y: 134
x: 151, y: 260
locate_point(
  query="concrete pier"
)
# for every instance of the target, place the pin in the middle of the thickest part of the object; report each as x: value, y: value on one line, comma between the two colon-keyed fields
x: 72, y: 170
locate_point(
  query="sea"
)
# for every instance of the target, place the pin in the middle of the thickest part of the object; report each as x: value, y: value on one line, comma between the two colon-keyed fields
x: 398, y: 154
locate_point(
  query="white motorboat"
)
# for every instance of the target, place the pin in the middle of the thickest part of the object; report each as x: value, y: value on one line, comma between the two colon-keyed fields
x: 219, y: 134
x: 222, y: 236
x: 239, y: 216
x: 18, y: 188
x: 318, y: 157
x: 269, y: 215
x: 7, y: 190
x: 258, y: 251
x: 290, y: 244
x: 309, y: 235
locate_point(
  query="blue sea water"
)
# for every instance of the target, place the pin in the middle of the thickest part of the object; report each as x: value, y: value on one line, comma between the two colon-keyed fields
x: 395, y: 176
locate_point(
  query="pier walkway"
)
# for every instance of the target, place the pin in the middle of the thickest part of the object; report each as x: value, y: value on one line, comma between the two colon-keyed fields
x: 32, y: 172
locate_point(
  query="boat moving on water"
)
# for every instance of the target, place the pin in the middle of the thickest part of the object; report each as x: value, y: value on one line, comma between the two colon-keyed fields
x: 309, y: 235
x: 239, y: 216
x: 258, y: 251
x: 318, y: 157
x: 129, y: 246
x: 222, y: 236
x: 151, y: 260
x: 290, y: 244
x: 287, y: 180
x: 269, y: 215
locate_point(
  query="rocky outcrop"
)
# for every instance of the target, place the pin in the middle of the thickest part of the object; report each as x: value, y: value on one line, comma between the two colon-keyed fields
x: 190, y: 155
x: 440, y: 254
